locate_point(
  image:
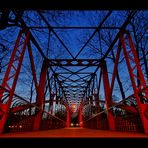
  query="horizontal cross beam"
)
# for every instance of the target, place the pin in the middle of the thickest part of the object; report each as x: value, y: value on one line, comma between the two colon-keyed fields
x: 72, y: 62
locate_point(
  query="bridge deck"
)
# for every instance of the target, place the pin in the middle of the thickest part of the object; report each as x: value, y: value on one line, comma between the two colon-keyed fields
x: 74, y: 132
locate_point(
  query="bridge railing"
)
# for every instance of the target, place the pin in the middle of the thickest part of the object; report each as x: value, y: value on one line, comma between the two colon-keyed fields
x: 125, y: 114
x: 98, y: 121
x: 22, y: 114
x: 94, y: 119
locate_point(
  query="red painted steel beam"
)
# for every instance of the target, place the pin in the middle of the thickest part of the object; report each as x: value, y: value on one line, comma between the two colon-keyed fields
x: 97, y: 101
x: 6, y: 77
x: 20, y: 48
x: 68, y: 114
x: 40, y: 96
x: 72, y: 62
x: 80, y: 115
x: 143, y: 108
x: 106, y: 84
x: 51, y: 102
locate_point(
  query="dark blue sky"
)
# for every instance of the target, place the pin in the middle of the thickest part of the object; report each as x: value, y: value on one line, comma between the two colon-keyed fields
x: 72, y: 38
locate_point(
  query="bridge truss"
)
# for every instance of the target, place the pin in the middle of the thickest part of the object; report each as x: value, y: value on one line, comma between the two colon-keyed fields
x: 74, y: 84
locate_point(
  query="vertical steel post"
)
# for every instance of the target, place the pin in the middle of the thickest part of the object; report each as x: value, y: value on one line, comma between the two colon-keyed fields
x: 106, y: 84
x: 96, y: 101
x: 68, y: 116
x: 61, y: 106
x: 40, y: 97
x: 91, y: 104
x: 97, y: 107
x: 52, y: 102
x: 80, y: 116
x: 131, y: 57
x: 16, y: 56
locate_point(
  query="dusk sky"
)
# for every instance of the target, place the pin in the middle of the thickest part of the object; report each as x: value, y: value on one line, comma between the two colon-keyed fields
x: 73, y: 39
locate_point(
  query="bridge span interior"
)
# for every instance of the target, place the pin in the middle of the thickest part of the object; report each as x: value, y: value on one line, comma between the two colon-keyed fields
x: 60, y: 71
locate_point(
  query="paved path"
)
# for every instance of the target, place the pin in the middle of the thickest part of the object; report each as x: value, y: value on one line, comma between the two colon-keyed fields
x: 74, y: 133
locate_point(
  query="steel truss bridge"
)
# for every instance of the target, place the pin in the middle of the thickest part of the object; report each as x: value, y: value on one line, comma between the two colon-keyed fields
x: 18, y: 114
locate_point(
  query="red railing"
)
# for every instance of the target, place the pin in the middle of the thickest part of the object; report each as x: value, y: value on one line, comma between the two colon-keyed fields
x: 126, y: 116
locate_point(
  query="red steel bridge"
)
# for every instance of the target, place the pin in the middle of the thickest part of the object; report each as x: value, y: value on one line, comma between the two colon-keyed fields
x: 61, y: 94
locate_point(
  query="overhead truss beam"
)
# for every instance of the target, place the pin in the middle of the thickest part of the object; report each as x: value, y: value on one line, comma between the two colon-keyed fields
x: 72, y: 62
